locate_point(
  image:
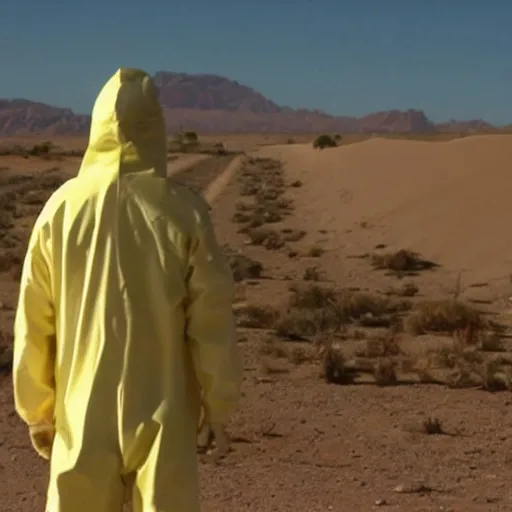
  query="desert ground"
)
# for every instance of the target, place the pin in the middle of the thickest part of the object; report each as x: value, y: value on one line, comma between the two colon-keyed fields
x: 374, y: 286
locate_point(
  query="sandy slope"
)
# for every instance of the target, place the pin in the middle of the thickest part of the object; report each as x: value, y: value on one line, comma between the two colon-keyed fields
x: 448, y: 200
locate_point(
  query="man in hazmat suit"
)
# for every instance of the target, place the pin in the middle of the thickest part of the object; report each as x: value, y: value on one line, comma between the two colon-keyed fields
x: 124, y: 319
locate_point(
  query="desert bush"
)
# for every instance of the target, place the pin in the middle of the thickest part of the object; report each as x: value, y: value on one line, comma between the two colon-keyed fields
x: 312, y: 296
x: 269, y: 347
x: 190, y: 136
x: 300, y: 324
x: 324, y: 141
x: 334, y: 366
x: 244, y: 267
x: 5, y: 220
x: 11, y: 261
x: 257, y: 317
x: 6, y: 355
x: 444, y: 316
x: 401, y: 261
x: 315, y: 252
x: 384, y: 373
x: 42, y: 149
x: 311, y: 274
x: 293, y: 235
x: 267, y: 238
x: 433, y: 426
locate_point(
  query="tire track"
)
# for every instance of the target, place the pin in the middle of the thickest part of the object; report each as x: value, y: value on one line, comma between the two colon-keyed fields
x: 199, y: 176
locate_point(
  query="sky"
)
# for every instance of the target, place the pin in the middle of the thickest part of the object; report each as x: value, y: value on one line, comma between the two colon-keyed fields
x: 450, y: 58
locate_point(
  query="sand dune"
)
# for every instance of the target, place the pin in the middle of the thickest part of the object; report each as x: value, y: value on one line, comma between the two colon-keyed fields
x: 448, y: 200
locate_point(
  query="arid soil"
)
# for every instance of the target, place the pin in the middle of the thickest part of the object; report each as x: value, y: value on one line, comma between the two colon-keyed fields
x: 373, y: 285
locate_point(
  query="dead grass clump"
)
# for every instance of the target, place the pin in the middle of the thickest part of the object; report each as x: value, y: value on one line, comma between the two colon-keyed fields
x: 244, y: 267
x: 494, y: 378
x: 315, y: 309
x: 5, y: 220
x: 334, y: 367
x: 382, y: 346
x: 10, y: 261
x: 293, y: 235
x: 433, y: 427
x: 302, y: 324
x: 242, y: 206
x: 444, y: 316
x: 6, y: 358
x: 315, y: 252
x: 269, y: 347
x: 271, y: 368
x: 257, y: 317
x: 355, y: 305
x: 311, y: 274
x: 384, y: 373
x: 267, y: 238
x: 401, y: 261
x: 299, y: 355
x: 490, y: 342
x: 312, y: 297
x: 241, y: 217
x: 406, y: 290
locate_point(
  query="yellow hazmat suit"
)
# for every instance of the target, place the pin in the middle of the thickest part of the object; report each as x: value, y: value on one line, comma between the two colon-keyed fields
x: 125, y: 312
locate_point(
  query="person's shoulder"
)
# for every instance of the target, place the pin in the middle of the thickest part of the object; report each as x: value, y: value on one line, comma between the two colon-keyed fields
x: 55, y: 202
x: 189, y: 199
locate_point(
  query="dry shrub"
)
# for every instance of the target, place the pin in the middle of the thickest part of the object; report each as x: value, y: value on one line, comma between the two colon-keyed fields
x: 311, y: 274
x: 406, y: 290
x: 257, y: 317
x: 315, y: 252
x: 5, y: 220
x: 299, y: 355
x: 312, y: 297
x: 244, y: 267
x: 10, y: 261
x: 6, y: 358
x: 443, y: 316
x: 401, y: 261
x: 494, y: 378
x: 385, y: 373
x: 269, y: 347
x: 298, y: 324
x: 432, y: 427
x: 267, y: 238
x: 293, y: 235
x: 335, y: 370
x: 315, y: 309
x: 382, y: 346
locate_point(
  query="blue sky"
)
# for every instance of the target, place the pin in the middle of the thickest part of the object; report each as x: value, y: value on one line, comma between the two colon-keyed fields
x: 451, y: 58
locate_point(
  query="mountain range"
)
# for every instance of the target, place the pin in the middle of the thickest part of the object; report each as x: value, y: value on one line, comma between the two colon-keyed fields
x: 212, y: 103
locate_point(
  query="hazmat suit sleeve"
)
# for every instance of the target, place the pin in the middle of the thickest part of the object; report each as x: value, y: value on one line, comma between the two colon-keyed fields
x: 34, y: 339
x: 211, y: 326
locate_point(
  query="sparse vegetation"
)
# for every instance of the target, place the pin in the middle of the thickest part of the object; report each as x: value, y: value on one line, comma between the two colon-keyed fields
x: 315, y: 252
x: 324, y: 141
x: 433, y: 427
x: 401, y: 261
x: 257, y: 317
x: 335, y: 370
x: 446, y: 316
x: 311, y: 274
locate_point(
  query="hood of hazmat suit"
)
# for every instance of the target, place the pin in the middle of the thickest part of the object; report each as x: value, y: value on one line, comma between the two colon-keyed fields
x: 124, y: 315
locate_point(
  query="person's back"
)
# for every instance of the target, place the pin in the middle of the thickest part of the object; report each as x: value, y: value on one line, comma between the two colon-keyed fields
x: 126, y: 275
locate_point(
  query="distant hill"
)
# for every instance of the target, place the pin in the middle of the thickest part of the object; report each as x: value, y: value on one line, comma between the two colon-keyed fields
x: 212, y: 103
